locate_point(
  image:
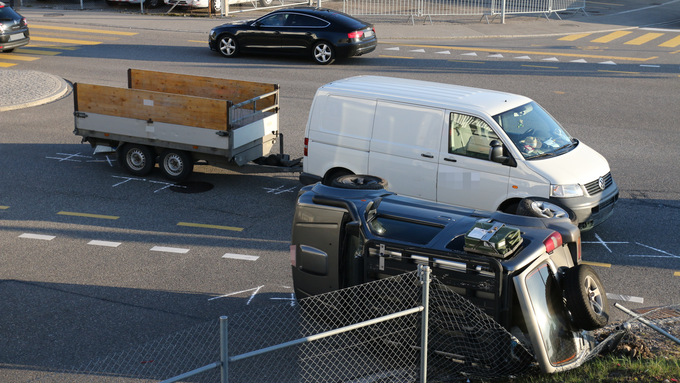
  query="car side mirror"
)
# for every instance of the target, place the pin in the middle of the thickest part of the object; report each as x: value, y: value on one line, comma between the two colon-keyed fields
x: 496, y: 154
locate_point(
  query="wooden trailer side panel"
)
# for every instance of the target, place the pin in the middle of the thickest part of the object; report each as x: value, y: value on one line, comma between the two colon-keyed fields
x: 159, y: 107
x: 208, y: 87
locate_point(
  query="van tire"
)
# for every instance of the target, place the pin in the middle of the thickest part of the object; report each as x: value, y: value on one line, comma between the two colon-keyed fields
x: 544, y: 208
x: 585, y: 298
x: 360, y: 181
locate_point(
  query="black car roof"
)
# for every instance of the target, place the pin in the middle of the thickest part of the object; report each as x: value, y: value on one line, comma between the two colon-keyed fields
x: 326, y: 14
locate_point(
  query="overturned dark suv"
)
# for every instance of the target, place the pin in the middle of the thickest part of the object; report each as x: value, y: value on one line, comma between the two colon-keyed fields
x: 524, y: 272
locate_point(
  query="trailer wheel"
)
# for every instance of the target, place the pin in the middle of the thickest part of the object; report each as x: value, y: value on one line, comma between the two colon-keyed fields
x: 586, y: 298
x: 138, y: 160
x: 176, y: 165
x: 359, y: 181
x: 545, y: 208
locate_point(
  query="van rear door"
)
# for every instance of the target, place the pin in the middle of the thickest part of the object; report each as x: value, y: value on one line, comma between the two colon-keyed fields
x: 405, y: 148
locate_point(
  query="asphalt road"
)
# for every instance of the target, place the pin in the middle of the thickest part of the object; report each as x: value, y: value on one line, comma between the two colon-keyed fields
x: 66, y: 300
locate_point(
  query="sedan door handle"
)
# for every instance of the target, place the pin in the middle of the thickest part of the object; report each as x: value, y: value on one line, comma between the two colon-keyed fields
x: 427, y: 155
x: 450, y: 159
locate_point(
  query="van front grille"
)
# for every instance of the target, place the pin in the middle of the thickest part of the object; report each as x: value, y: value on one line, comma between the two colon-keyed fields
x: 593, y: 187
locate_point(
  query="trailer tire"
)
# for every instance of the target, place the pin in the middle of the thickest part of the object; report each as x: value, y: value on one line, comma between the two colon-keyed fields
x: 585, y: 298
x: 544, y: 208
x: 360, y: 181
x: 137, y: 159
x: 176, y: 165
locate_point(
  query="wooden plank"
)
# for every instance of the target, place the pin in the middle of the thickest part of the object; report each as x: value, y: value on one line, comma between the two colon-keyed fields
x: 223, y: 89
x: 144, y: 105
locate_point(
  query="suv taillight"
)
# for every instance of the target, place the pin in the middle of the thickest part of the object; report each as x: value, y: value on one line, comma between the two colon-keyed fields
x: 553, y: 241
x: 306, y: 143
x: 24, y: 23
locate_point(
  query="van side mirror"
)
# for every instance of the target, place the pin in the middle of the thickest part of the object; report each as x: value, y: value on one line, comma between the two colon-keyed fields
x: 496, y: 154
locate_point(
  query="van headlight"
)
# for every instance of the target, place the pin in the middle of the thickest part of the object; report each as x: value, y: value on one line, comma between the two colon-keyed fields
x: 573, y: 190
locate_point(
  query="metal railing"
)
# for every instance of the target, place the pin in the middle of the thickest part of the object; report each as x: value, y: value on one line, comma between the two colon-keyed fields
x: 483, y: 8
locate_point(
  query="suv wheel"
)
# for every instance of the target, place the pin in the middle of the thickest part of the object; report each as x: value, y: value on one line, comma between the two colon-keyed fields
x: 544, y: 208
x: 359, y: 181
x: 586, y: 298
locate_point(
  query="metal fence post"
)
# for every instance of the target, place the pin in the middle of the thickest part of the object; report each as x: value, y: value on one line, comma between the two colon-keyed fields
x: 224, y: 349
x: 503, y: 13
x: 424, y: 272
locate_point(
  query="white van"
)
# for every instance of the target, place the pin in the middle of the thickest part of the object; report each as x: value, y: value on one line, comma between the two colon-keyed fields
x: 455, y: 145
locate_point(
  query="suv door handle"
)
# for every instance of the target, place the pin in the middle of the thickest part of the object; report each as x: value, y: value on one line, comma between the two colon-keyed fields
x: 450, y: 159
x: 427, y: 155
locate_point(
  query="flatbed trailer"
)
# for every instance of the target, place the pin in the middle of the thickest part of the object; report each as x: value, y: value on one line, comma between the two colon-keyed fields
x: 178, y: 120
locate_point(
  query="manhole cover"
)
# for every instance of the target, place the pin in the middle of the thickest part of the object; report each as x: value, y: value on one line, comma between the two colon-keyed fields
x: 191, y: 187
x: 569, y: 25
x: 53, y: 14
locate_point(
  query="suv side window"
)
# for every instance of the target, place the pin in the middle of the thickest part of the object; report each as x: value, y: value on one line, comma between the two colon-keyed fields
x: 470, y: 136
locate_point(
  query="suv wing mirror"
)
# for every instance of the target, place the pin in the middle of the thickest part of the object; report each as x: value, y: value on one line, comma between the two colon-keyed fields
x: 496, y: 154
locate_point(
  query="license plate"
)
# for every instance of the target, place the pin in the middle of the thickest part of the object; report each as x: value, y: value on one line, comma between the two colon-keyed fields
x: 368, y: 33
x: 17, y: 36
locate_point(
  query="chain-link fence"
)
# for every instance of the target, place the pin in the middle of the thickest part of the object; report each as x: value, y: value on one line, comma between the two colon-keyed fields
x: 463, y: 342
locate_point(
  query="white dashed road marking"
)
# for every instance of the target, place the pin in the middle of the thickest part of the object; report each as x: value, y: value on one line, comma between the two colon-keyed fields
x: 37, y: 236
x: 241, y: 256
x: 104, y: 243
x: 170, y: 249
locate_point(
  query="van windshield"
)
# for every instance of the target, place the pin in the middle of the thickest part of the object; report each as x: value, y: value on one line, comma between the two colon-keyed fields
x: 535, y: 132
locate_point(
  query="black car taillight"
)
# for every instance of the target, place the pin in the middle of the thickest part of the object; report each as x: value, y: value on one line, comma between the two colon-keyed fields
x: 355, y: 34
x: 24, y: 23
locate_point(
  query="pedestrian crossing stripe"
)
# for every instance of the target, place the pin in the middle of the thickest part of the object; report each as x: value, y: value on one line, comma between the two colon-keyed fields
x: 33, y: 26
x: 672, y: 43
x: 67, y: 41
x: 12, y: 56
x: 37, y: 52
x: 647, y: 37
x: 6, y: 65
x: 611, y: 37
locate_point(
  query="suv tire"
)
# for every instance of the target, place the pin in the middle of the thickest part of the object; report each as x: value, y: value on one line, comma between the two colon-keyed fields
x: 360, y: 181
x: 586, y: 298
x: 545, y: 208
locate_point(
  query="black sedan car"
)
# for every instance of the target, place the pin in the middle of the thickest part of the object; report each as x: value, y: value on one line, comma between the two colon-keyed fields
x: 324, y: 34
x: 13, y: 29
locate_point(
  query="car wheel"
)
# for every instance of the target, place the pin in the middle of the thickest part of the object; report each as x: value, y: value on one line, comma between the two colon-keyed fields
x: 228, y: 46
x: 266, y: 3
x: 138, y: 160
x: 154, y: 3
x: 585, y: 298
x: 545, y: 208
x: 360, y: 181
x: 323, y: 53
x: 176, y: 165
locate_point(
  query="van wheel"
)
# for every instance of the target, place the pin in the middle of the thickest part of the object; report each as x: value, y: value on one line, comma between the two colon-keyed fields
x: 359, y: 181
x: 137, y: 159
x: 586, y: 298
x: 544, y: 208
x: 176, y: 165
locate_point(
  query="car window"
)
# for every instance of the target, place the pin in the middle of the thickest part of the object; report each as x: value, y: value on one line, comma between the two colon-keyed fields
x: 305, y: 21
x: 547, y: 304
x: 470, y: 136
x: 534, y: 131
x: 275, y: 20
